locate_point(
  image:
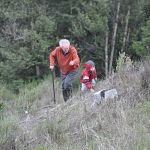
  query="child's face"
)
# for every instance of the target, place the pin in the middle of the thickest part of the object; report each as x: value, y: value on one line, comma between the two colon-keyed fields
x: 92, y: 68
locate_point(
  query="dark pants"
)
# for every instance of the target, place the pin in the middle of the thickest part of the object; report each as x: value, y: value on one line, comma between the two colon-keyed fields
x: 67, y: 81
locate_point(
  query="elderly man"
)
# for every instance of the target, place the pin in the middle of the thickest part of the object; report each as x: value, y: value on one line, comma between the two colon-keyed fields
x: 68, y: 62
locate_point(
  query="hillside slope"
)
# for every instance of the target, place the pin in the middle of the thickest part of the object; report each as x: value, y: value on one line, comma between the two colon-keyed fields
x: 33, y: 122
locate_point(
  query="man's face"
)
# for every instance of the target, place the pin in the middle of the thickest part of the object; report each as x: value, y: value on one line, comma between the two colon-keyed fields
x: 65, y: 48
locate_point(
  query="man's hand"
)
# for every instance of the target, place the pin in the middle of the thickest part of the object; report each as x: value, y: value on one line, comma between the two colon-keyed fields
x: 51, y: 67
x: 71, y: 63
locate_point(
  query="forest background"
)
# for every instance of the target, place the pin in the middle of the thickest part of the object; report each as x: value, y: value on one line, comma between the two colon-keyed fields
x: 99, y: 29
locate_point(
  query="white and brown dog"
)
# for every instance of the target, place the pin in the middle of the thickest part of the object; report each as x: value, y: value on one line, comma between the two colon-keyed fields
x: 104, y: 95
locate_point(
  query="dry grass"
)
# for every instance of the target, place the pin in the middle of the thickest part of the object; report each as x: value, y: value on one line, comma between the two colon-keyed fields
x: 119, y: 124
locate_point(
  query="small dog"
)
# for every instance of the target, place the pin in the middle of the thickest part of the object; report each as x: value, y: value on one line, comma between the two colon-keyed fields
x: 104, y: 95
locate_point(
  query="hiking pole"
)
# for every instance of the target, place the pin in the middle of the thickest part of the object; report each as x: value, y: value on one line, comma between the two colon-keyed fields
x: 53, y: 86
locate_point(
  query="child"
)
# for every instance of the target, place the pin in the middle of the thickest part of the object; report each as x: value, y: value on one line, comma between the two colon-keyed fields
x: 93, y: 77
x: 88, y: 77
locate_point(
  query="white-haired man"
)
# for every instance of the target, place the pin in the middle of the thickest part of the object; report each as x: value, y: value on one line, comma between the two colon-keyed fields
x: 68, y: 62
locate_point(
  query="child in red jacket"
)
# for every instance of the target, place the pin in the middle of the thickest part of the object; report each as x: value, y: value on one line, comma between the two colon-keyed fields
x: 88, y: 76
x: 93, y: 77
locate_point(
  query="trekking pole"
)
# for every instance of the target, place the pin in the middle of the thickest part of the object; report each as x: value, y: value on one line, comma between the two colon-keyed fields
x: 53, y: 86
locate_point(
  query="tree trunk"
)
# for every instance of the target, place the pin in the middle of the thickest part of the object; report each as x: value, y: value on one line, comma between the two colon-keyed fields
x: 128, y: 38
x: 125, y: 30
x: 106, y: 55
x: 38, y: 73
x: 114, y: 39
x: 37, y: 68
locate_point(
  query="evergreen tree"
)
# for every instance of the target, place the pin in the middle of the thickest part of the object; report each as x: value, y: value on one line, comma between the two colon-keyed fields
x: 142, y: 47
x: 25, y: 31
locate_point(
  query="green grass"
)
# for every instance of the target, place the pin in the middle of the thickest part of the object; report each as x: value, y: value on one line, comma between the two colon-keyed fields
x: 142, y: 143
x: 141, y: 126
x: 40, y: 148
x: 7, y: 127
x: 145, y: 108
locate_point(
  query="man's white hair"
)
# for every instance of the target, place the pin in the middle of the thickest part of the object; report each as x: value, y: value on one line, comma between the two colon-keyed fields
x: 63, y: 42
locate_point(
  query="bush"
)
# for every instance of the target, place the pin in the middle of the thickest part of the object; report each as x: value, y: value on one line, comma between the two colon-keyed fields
x: 5, y: 93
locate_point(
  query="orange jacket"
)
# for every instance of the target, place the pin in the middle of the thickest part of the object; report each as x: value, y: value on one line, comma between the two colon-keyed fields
x: 64, y: 60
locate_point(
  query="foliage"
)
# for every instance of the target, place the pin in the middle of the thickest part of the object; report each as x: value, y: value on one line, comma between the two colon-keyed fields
x: 123, y: 62
x: 30, y: 29
x: 5, y: 93
x: 7, y: 127
x: 25, y: 41
x: 142, y: 47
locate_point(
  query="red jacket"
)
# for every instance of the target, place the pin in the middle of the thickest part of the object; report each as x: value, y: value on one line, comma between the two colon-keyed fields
x: 64, y: 60
x: 85, y: 77
x: 93, y: 75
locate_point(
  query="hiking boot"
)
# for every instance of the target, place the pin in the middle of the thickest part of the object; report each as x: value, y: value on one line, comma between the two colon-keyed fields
x: 67, y: 93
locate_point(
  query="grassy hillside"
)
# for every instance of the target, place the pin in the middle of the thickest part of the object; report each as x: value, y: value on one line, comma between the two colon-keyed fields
x: 31, y: 121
